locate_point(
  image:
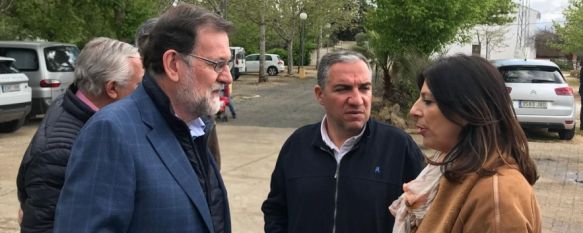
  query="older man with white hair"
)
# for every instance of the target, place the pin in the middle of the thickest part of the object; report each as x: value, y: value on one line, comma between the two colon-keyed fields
x: 106, y: 71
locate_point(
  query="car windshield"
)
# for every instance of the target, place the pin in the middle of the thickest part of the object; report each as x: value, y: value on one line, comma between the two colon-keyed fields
x: 26, y: 59
x: 528, y: 74
x: 61, y: 58
x: 6, y: 67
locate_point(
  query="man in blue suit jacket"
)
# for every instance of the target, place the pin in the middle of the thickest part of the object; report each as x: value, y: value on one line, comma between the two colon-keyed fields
x: 143, y: 164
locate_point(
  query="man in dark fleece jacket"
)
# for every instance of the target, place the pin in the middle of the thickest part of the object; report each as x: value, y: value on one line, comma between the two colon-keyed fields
x: 106, y: 70
x: 340, y: 175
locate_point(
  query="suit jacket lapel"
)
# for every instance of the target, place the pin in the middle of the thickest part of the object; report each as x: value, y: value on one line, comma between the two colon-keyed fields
x: 170, y: 152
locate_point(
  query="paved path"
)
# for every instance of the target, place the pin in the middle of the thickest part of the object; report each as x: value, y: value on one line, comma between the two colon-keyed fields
x: 247, y: 169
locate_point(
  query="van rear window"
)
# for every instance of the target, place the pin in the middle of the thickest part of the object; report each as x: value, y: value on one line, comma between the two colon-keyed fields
x: 61, y: 58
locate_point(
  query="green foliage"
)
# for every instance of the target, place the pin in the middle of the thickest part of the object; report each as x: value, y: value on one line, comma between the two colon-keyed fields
x: 309, y: 46
x: 361, y: 39
x: 279, y: 51
x: 76, y: 21
x: 426, y: 27
x: 364, y: 50
x: 571, y: 34
x: 405, y: 90
x: 399, y: 28
x: 563, y: 63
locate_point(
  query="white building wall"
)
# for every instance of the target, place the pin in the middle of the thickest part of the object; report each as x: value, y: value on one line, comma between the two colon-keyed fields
x: 507, y: 47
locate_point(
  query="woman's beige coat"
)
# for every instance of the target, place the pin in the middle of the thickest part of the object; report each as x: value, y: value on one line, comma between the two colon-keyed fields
x: 503, y: 203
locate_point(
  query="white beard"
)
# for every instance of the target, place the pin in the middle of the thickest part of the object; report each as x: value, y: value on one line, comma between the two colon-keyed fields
x: 215, y: 106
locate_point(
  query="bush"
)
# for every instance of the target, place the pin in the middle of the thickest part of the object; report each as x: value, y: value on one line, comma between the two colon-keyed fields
x: 307, y: 49
x: 564, y: 64
x: 405, y: 90
x: 361, y: 39
x: 279, y: 51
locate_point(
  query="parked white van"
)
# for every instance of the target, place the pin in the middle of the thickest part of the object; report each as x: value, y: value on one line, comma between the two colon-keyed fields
x: 48, y: 65
x: 15, y: 96
x: 237, y: 62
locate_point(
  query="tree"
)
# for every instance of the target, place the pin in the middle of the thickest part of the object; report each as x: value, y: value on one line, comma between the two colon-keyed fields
x: 256, y: 12
x: 492, y: 37
x: 571, y: 34
x: 286, y: 22
x: 399, y: 27
x: 85, y: 19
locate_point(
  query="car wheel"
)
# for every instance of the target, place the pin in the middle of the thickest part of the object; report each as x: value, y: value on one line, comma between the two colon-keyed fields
x: 11, y: 126
x: 567, y: 134
x: 272, y: 71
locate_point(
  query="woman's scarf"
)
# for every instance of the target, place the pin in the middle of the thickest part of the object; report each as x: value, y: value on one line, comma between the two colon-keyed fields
x: 424, y: 188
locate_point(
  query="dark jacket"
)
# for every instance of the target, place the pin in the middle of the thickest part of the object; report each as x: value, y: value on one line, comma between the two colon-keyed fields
x: 135, y: 168
x: 42, y: 171
x: 310, y: 193
x: 198, y: 153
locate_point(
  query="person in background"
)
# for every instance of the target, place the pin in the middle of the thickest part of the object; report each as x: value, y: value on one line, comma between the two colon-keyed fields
x: 481, y: 178
x: 341, y: 174
x: 227, y: 93
x: 143, y: 164
x: 141, y: 38
x: 107, y: 70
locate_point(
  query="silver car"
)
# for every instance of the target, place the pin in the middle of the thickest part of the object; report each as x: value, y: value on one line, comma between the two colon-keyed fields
x: 49, y: 66
x: 541, y: 97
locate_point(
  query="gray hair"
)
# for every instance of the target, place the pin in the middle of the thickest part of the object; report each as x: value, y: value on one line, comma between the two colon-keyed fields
x: 143, y: 33
x: 101, y: 60
x: 341, y: 56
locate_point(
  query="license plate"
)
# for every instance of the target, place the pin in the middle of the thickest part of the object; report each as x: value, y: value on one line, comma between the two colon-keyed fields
x: 10, y: 87
x: 532, y: 104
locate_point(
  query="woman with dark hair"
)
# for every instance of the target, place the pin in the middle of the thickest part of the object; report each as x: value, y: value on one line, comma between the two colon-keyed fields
x: 480, y: 179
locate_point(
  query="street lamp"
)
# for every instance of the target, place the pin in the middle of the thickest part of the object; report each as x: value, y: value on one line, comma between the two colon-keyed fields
x: 303, y: 17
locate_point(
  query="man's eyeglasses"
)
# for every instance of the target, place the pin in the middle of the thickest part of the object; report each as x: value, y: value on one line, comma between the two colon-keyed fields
x: 217, y: 65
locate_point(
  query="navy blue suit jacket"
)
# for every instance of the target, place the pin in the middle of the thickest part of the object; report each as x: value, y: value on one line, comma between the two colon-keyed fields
x: 128, y: 173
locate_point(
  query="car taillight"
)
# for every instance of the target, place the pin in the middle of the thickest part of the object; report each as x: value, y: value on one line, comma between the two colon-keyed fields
x: 280, y: 62
x: 564, y: 91
x: 509, y: 89
x: 50, y: 83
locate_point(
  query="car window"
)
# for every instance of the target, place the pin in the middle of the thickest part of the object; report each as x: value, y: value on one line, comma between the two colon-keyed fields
x: 267, y: 57
x: 26, y: 59
x: 6, y: 67
x: 252, y: 58
x: 61, y: 58
x: 531, y: 75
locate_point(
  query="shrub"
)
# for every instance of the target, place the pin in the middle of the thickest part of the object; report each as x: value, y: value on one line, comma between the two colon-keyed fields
x: 279, y: 51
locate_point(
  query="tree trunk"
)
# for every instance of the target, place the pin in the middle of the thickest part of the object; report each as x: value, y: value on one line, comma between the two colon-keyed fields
x: 387, y: 84
x: 319, y: 48
x: 119, y: 15
x: 290, y: 56
x: 262, y: 75
x: 224, y: 8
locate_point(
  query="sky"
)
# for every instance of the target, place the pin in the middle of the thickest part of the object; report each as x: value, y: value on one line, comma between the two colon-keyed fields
x: 550, y: 10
